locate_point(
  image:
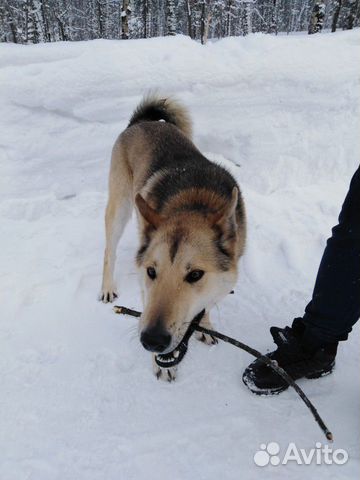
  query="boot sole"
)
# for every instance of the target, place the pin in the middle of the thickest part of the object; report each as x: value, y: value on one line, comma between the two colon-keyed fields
x: 262, y: 391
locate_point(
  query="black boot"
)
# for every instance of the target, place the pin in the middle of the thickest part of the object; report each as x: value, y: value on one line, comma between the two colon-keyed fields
x: 299, y: 355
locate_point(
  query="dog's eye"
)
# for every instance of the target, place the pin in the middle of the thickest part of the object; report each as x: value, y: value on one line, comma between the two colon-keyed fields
x: 151, y: 272
x: 194, y: 276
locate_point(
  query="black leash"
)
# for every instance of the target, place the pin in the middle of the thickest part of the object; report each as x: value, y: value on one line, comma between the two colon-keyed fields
x: 169, y: 360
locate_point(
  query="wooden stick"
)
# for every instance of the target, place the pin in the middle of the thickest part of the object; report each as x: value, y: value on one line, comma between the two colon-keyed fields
x: 270, y: 363
x: 280, y: 371
x: 126, y: 311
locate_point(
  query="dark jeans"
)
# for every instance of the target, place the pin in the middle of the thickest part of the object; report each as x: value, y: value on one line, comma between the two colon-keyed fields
x: 335, y: 304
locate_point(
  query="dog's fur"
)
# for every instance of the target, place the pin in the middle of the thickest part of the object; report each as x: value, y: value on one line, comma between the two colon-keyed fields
x: 191, y: 217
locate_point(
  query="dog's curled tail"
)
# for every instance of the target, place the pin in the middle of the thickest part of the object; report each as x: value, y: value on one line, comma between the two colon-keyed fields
x: 154, y: 108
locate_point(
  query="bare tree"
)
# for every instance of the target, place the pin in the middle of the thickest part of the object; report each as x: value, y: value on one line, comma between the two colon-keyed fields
x: 204, y: 21
x: 170, y: 17
x: 189, y: 18
x: 100, y: 16
x: 229, y: 15
x: 125, y: 14
x: 62, y: 27
x: 61, y: 11
x: 273, y: 27
x: 44, y: 20
x: 145, y: 18
x: 90, y: 15
x: 249, y: 5
x: 337, y: 8
x: 31, y: 31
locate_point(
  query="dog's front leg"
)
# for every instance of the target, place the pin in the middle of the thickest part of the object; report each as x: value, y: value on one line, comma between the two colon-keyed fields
x: 116, y: 217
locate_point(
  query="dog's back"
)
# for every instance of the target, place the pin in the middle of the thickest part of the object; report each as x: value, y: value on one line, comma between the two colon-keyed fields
x: 169, y: 163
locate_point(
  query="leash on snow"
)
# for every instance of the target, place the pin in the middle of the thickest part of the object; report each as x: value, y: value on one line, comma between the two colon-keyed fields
x: 173, y: 358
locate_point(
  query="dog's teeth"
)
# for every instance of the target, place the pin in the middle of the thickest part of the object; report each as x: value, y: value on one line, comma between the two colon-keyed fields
x: 176, y: 353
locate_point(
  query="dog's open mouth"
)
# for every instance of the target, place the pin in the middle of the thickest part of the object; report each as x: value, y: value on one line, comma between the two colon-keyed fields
x: 173, y: 358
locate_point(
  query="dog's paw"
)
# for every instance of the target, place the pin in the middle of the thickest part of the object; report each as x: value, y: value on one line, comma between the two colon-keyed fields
x: 107, y: 295
x: 164, y: 374
x: 205, y: 338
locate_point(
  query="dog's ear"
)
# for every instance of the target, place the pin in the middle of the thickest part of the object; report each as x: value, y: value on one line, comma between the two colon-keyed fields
x: 228, y: 210
x: 148, y: 213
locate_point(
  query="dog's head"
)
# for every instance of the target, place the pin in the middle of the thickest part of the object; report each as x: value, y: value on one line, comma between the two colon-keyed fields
x: 188, y: 262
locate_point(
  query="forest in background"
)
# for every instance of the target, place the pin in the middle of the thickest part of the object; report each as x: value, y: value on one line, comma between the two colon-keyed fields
x: 36, y: 21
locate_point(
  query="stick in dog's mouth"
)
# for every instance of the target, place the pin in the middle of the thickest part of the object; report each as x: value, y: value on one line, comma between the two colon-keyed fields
x: 173, y: 358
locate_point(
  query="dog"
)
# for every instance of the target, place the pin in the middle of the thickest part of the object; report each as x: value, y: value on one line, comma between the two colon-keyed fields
x: 191, y: 218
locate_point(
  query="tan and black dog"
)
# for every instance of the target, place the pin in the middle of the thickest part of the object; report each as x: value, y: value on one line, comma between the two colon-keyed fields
x: 191, y: 222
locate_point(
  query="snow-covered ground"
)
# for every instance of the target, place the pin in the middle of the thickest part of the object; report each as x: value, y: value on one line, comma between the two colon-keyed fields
x: 78, y: 400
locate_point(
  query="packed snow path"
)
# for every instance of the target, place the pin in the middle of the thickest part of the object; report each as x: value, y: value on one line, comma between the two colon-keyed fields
x: 78, y: 400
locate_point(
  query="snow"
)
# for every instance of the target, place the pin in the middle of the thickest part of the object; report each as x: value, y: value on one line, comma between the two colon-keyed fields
x: 78, y: 399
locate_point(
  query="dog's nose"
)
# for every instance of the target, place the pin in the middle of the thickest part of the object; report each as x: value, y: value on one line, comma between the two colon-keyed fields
x: 155, y: 339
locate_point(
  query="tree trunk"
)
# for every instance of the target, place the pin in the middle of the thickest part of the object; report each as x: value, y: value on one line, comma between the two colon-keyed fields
x: 13, y: 30
x: 170, y: 17
x: 32, y: 23
x: 62, y: 29
x: 273, y: 28
x: 145, y: 18
x: 335, y: 18
x: 317, y: 17
x: 125, y: 14
x: 100, y: 18
x: 24, y: 32
x: 203, y: 22
x: 289, y: 7
x: 45, y: 22
x: 189, y: 19
x: 229, y: 17
x: 248, y: 16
